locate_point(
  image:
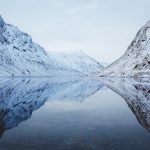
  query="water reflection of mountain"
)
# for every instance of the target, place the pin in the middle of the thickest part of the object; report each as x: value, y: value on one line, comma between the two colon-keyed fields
x: 20, y: 97
x: 136, y: 93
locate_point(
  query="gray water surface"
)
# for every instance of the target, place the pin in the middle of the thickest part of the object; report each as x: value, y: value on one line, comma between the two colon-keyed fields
x: 74, y: 114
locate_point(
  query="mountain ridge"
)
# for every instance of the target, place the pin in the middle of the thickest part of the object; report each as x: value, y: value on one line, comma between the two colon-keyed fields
x: 20, y: 56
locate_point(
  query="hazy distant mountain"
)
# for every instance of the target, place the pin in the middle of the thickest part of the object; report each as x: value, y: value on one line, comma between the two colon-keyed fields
x: 77, y: 61
x: 20, y: 56
x: 136, y: 60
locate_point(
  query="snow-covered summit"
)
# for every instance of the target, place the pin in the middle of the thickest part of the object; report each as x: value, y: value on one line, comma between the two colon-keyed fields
x: 136, y: 60
x: 20, y: 56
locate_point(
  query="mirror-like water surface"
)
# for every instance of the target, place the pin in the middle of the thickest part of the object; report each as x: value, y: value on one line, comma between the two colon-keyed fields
x: 74, y: 114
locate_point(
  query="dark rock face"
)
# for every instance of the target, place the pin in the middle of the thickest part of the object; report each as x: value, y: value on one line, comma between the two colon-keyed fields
x: 2, y: 22
x: 2, y: 27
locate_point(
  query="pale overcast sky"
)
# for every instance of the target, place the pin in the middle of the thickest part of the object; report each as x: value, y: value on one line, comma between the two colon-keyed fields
x: 101, y: 28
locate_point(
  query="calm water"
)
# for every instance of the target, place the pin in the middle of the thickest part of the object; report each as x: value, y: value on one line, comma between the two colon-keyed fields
x: 74, y: 114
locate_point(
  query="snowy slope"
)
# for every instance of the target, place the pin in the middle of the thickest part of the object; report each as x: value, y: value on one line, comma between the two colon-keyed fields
x: 20, y: 56
x: 77, y: 61
x: 136, y: 60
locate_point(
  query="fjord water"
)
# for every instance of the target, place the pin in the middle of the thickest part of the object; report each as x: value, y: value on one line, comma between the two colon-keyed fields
x: 74, y: 114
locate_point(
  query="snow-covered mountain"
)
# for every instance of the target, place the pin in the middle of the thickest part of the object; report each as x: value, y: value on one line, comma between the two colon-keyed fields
x: 136, y: 60
x: 20, y: 56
